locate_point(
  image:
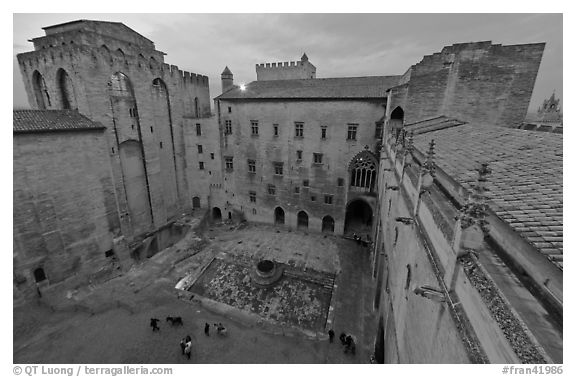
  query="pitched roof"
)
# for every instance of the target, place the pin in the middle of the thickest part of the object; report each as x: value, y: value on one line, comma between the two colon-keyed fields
x: 30, y: 121
x: 525, y: 188
x: 340, y: 87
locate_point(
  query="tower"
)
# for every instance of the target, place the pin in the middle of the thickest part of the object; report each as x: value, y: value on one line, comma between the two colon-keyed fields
x: 302, y: 69
x: 227, y: 79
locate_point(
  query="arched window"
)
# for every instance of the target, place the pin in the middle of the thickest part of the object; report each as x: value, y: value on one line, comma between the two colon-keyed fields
x: 40, y: 91
x: 66, y: 90
x: 120, y: 85
x: 363, y: 170
x: 153, y: 63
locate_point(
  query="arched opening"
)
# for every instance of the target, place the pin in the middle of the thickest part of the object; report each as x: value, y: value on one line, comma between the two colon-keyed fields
x: 278, y: 216
x: 216, y: 214
x: 358, y: 218
x: 39, y: 275
x: 152, y: 248
x: 328, y: 224
x: 396, y: 121
x: 126, y: 125
x: 40, y: 91
x: 66, y: 90
x: 196, y: 108
x: 195, y: 202
x: 302, y: 220
x: 363, y: 172
x: 229, y: 215
x: 163, y: 124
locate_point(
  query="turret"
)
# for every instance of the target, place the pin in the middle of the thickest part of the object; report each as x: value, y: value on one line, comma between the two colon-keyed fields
x: 227, y: 80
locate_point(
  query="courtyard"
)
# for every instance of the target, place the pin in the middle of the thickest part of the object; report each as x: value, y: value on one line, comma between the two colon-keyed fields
x: 109, y: 322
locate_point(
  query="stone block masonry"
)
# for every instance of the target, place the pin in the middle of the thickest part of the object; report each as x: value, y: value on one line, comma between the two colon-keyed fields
x: 65, y: 211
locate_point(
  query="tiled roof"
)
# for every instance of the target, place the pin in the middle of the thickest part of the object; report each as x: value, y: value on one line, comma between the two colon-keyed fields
x: 27, y: 121
x: 525, y: 188
x: 342, y: 87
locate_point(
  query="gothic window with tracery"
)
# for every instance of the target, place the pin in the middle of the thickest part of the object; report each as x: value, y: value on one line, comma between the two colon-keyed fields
x: 363, y: 172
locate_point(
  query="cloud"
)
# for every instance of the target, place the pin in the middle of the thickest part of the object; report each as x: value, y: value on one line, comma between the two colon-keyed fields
x: 338, y: 44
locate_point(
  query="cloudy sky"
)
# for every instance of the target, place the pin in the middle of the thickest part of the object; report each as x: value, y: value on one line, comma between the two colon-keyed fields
x: 337, y: 44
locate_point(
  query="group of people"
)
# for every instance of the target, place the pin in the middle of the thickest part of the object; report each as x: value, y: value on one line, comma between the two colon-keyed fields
x: 186, y: 342
x: 186, y: 346
x: 347, y: 340
x: 220, y: 329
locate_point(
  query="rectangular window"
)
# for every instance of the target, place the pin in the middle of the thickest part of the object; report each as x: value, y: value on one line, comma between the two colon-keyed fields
x: 317, y: 158
x: 297, y: 190
x: 229, y: 109
x: 254, y: 125
x: 229, y: 163
x: 299, y: 155
x: 201, y: 165
x: 275, y: 126
x: 271, y: 190
x: 251, y: 166
x: 299, y: 129
x: 328, y: 199
x: 211, y: 156
x: 313, y: 198
x: 340, y: 182
x: 253, y: 196
x: 199, y: 149
x: 323, y: 132
x: 306, y: 183
x: 279, y: 168
x: 228, y: 127
x: 198, y: 129
x: 352, y: 129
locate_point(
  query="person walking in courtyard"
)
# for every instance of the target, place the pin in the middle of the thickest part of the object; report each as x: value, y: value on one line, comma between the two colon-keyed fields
x: 331, y: 335
x: 183, y: 345
x: 188, y: 349
x: 342, y: 338
x: 207, y: 329
x: 154, y: 324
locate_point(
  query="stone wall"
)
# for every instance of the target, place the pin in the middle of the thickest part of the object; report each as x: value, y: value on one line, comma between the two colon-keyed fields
x: 285, y: 71
x: 150, y: 117
x: 65, y: 210
x: 472, y: 82
x: 266, y: 149
x: 437, y: 303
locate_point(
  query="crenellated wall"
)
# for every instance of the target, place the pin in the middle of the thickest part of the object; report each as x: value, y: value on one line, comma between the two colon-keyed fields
x: 285, y: 71
x: 150, y: 114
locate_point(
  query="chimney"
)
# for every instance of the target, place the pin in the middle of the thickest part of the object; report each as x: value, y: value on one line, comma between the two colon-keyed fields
x: 227, y: 80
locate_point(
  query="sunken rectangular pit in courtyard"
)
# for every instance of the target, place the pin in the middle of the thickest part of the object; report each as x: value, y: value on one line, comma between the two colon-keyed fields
x: 274, y: 291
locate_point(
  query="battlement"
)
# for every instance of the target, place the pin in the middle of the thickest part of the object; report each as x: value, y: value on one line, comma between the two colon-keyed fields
x: 62, y: 55
x: 292, y: 70
x: 278, y: 65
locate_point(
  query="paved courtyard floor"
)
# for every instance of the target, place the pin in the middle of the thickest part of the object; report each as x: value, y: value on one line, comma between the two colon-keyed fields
x: 109, y: 322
